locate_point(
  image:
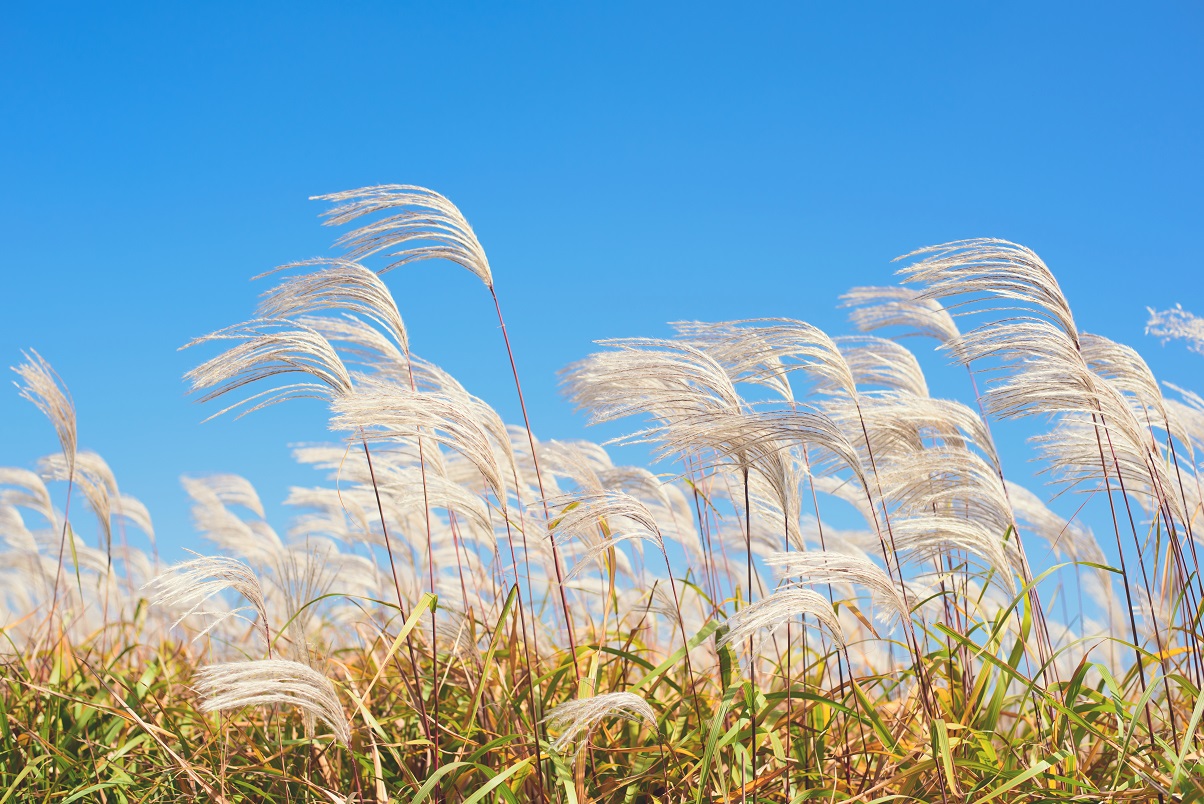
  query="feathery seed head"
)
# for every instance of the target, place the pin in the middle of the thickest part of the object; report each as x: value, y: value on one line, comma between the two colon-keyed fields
x: 415, y: 224
x: 577, y: 719
x: 266, y: 682
x: 43, y: 387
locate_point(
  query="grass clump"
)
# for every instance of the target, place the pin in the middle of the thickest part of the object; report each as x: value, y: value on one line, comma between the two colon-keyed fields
x: 832, y: 591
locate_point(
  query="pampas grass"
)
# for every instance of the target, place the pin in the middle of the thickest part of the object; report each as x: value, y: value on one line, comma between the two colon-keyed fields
x: 472, y: 613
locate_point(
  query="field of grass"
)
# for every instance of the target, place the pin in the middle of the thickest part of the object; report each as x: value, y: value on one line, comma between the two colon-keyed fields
x: 822, y: 590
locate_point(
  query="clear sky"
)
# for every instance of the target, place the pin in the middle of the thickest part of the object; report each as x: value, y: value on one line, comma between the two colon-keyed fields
x: 624, y: 165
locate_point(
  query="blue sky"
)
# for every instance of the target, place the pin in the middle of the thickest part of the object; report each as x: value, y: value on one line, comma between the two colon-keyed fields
x: 624, y: 165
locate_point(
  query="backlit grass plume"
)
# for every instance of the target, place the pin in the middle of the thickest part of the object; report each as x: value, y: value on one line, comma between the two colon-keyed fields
x: 267, y: 682
x: 576, y: 720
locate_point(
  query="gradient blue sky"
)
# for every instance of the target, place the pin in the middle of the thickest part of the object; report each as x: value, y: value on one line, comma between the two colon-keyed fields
x: 624, y: 164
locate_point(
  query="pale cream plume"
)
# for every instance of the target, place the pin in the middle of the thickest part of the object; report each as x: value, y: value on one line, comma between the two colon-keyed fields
x: 268, y: 682
x: 577, y: 719
x: 415, y: 224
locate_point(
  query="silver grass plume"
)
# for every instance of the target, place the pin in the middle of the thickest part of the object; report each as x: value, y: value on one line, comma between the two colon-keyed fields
x: 254, y: 539
x: 775, y: 346
x: 1071, y: 451
x: 362, y: 344
x: 1072, y: 539
x: 579, y: 461
x: 577, y: 719
x: 267, y: 348
x: 817, y: 567
x: 432, y: 378
x: 1128, y: 372
x: 619, y: 516
x: 876, y: 308
x: 45, y: 389
x: 1188, y: 412
x: 191, y: 583
x: 951, y: 497
x: 29, y: 491
x: 781, y: 607
x: 267, y: 682
x: 95, y: 480
x: 678, y: 523
x: 1037, y: 340
x: 1177, y: 323
x: 229, y: 489
x: 134, y: 511
x: 901, y: 424
x: 341, y: 284
x: 668, y: 380
x: 415, y: 224
x: 929, y: 538
x: 743, y: 351
x: 382, y: 411
x: 880, y: 362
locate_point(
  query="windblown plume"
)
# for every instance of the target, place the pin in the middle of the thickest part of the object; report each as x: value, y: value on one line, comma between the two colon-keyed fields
x: 267, y: 348
x: 94, y: 478
x: 1176, y: 323
x: 227, y: 489
x: 268, y: 682
x: 1039, y: 344
x: 381, y: 411
x: 132, y: 510
x: 746, y: 439
x: 879, y: 362
x: 901, y: 424
x: 1072, y: 451
x: 1128, y: 373
x: 577, y: 719
x: 254, y: 539
x: 667, y: 380
x: 774, y: 346
x: 930, y: 537
x: 743, y: 351
x: 878, y: 308
x: 1072, y: 539
x: 579, y: 461
x: 618, y: 516
x: 774, y: 492
x: 361, y: 343
x: 416, y: 224
x: 43, y: 387
x: 770, y: 613
x: 342, y: 285
x: 29, y: 491
x: 191, y: 583
x: 814, y: 567
x: 950, y: 480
